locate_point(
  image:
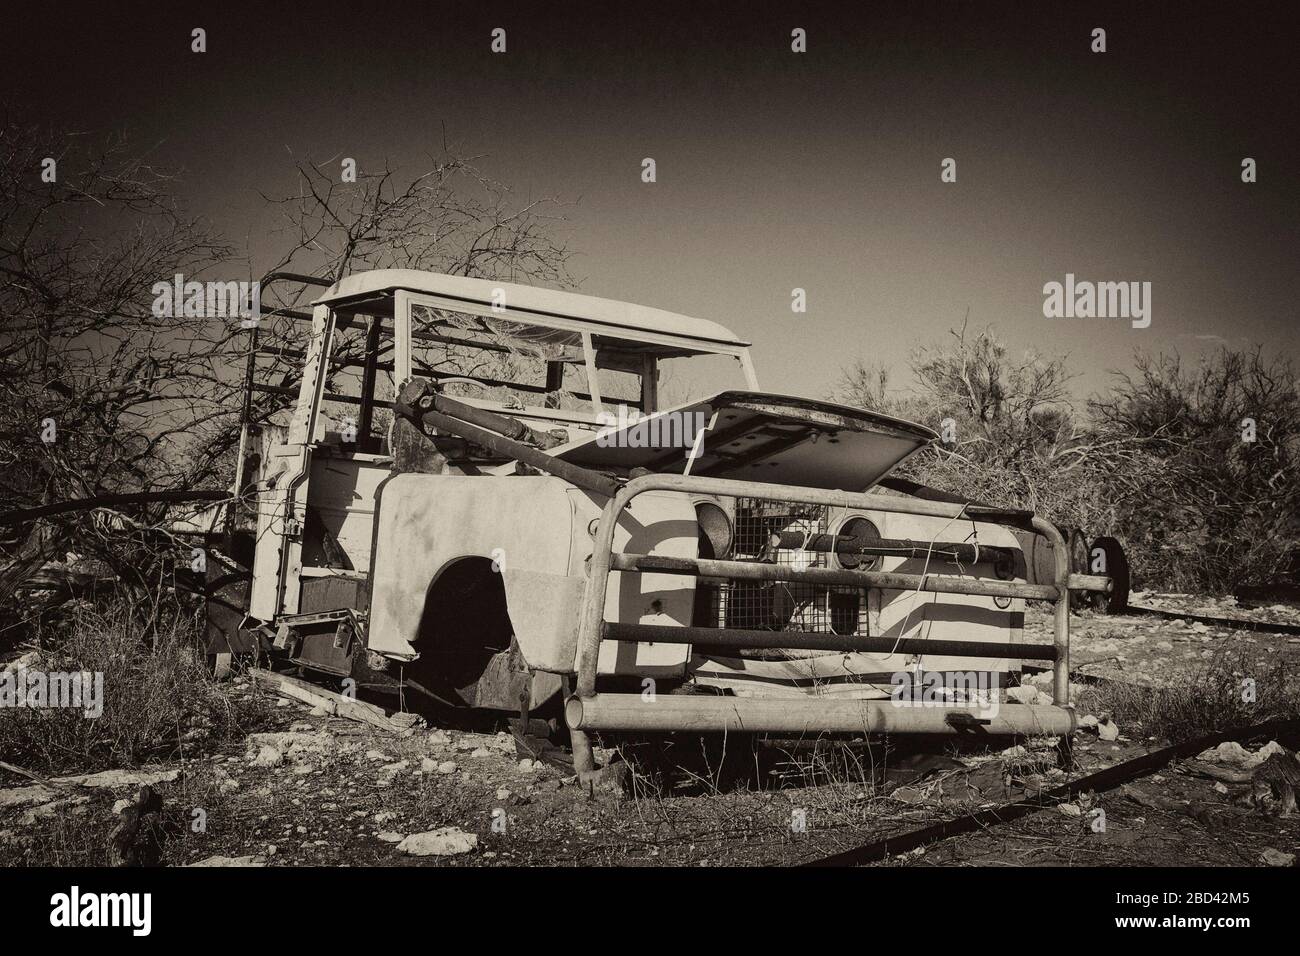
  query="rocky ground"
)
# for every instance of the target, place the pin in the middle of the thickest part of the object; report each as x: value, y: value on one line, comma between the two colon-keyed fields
x: 307, y: 788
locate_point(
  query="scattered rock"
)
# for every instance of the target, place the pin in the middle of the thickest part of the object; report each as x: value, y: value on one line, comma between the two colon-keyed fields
x: 445, y: 841
x: 295, y: 743
x: 1024, y: 694
x: 1230, y: 752
x: 27, y: 661
x: 447, y: 767
x: 1069, y: 809
x: 1107, y: 729
x: 1274, y: 857
x: 46, y: 810
x: 392, y: 836
x: 267, y: 757
x: 22, y: 796
x: 232, y: 861
x: 428, y: 765
x: 120, y: 779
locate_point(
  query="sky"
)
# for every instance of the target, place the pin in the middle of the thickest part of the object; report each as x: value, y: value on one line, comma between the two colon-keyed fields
x: 775, y: 170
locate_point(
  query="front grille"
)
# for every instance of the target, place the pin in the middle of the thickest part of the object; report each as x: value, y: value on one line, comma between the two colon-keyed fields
x: 778, y: 605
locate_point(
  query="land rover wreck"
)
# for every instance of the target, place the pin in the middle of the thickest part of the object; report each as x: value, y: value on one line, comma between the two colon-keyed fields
x: 519, y: 499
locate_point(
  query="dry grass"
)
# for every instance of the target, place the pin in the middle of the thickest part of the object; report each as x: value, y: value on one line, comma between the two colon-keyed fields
x: 1213, y: 698
x: 158, y: 697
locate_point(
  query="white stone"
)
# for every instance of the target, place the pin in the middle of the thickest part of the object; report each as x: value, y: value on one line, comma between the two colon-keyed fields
x: 268, y: 757
x: 445, y: 841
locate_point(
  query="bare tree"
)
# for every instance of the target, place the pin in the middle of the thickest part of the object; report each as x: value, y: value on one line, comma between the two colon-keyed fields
x: 1009, y: 432
x: 450, y: 218
x: 97, y: 393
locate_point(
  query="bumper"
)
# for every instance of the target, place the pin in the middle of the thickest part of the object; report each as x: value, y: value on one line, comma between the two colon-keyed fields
x: 587, y: 710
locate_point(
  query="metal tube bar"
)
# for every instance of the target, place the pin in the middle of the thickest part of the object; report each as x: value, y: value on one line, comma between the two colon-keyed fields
x: 964, y: 552
x: 1061, y: 632
x: 889, y: 580
x: 630, y: 712
x: 584, y: 478
x: 815, y: 641
x: 590, y: 628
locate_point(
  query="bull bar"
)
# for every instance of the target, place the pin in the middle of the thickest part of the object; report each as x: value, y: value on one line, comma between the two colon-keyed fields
x: 586, y: 710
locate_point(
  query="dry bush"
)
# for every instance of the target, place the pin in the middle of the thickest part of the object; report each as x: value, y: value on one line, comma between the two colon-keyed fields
x: 1201, y: 506
x: 158, y: 696
x: 1008, y: 432
x: 1159, y: 462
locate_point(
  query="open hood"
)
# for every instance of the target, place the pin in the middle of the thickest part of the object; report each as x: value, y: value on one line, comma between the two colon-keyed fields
x: 757, y: 437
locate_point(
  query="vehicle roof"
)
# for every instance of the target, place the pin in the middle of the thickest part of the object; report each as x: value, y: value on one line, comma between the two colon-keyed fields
x: 532, y: 299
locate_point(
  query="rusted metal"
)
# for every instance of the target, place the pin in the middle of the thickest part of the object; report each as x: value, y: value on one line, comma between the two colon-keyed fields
x: 976, y: 510
x: 951, y: 551
x: 807, y: 451
x: 511, y: 428
x: 506, y: 448
x: 817, y: 641
x: 933, y: 583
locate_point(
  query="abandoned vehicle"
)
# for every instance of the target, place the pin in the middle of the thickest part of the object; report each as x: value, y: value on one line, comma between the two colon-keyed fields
x: 465, y: 498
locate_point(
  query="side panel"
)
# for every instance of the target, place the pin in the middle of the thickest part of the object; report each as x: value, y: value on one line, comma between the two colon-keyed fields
x: 282, y: 506
x: 426, y: 522
x: 536, y: 528
x: 957, y: 617
x: 341, y: 497
x: 655, y: 523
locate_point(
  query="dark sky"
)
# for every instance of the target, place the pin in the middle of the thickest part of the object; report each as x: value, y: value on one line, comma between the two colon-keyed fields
x: 775, y: 170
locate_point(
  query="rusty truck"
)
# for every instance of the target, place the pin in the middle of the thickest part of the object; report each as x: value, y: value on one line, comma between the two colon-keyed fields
x: 532, y: 501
